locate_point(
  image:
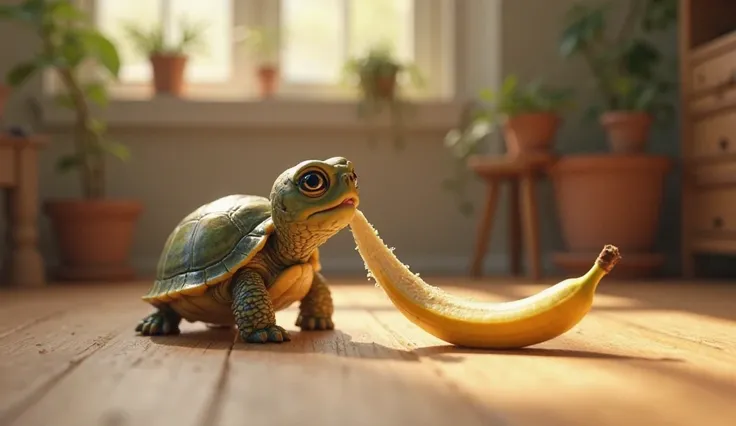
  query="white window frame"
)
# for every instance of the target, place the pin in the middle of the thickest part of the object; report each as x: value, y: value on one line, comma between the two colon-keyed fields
x: 434, y: 44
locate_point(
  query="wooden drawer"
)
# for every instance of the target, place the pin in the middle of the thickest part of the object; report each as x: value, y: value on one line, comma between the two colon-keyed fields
x: 715, y: 72
x: 7, y: 166
x: 715, y: 135
x: 716, y: 174
x: 715, y: 211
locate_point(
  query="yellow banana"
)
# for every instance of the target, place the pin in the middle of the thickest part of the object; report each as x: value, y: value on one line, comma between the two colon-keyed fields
x: 470, y: 323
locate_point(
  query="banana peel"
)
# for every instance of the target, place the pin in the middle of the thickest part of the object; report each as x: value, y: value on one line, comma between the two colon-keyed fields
x: 479, y: 324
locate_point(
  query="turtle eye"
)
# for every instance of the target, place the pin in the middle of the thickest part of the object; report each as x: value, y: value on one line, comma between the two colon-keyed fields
x: 313, y: 183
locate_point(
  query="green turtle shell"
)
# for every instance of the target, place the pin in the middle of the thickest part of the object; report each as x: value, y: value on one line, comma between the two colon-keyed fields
x: 210, y: 244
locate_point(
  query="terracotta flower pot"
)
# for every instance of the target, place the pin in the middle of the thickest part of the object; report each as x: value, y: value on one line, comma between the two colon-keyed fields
x: 610, y: 199
x: 530, y: 133
x: 168, y: 74
x: 94, y: 237
x: 267, y: 79
x: 628, y: 131
x: 383, y: 86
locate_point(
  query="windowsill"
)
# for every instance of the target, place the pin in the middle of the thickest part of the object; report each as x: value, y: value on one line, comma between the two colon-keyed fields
x: 272, y: 114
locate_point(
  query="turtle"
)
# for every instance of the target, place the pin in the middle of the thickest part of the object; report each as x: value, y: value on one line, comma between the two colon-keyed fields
x: 238, y: 259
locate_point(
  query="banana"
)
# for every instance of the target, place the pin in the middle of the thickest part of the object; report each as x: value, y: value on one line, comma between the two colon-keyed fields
x: 477, y: 324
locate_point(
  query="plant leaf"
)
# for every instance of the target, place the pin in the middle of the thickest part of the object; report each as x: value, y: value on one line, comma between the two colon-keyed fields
x: 116, y: 149
x: 97, y: 93
x: 21, y: 73
x: 103, y: 50
x: 68, y: 163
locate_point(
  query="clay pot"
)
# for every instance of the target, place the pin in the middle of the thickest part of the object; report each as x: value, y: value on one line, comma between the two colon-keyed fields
x: 530, y: 133
x: 610, y: 199
x: 267, y: 79
x: 168, y: 74
x: 628, y: 131
x: 384, y: 85
x: 94, y: 238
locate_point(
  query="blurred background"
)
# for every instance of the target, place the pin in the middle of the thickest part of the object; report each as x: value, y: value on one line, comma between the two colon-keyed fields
x: 266, y: 84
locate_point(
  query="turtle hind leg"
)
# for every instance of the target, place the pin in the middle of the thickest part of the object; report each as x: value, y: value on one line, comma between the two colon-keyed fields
x: 164, y: 321
x: 253, y: 310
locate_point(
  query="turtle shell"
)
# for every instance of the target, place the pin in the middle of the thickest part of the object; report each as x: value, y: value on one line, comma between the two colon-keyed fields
x: 210, y: 244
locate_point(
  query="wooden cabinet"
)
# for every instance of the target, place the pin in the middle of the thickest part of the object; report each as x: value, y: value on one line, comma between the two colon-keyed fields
x: 708, y: 128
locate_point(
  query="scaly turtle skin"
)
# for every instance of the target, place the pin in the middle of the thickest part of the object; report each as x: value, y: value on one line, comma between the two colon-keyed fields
x: 239, y: 259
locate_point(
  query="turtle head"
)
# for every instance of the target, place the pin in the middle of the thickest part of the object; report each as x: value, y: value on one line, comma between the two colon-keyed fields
x: 315, y: 199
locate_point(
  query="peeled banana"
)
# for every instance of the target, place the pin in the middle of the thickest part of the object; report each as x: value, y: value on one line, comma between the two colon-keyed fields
x: 477, y: 324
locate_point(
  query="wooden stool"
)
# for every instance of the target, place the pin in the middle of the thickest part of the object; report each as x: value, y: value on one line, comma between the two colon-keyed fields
x: 19, y: 177
x: 521, y: 173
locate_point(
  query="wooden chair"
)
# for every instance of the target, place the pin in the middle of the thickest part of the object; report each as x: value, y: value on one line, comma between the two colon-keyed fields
x: 521, y: 173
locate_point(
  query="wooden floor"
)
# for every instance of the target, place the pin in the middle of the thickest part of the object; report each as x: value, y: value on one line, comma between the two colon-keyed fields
x: 648, y: 354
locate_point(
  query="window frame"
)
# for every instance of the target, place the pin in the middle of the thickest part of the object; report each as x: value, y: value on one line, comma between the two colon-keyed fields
x: 433, y: 45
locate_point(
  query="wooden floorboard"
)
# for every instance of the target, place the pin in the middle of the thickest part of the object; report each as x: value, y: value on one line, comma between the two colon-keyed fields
x: 647, y: 354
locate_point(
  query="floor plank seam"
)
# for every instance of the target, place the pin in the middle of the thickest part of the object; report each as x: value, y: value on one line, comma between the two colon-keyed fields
x: 212, y: 413
x: 707, y: 346
x: 34, y: 397
x: 31, y: 323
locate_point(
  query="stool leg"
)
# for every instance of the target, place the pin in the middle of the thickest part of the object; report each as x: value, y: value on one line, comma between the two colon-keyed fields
x: 531, y: 226
x: 514, y: 229
x: 484, y: 229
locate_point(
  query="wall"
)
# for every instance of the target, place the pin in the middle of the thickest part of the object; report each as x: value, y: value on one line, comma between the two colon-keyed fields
x: 174, y: 170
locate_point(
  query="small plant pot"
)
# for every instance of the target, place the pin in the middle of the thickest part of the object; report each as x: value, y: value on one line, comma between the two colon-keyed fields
x: 168, y: 74
x: 530, y: 133
x: 94, y: 238
x: 268, y: 80
x: 382, y: 86
x: 628, y: 131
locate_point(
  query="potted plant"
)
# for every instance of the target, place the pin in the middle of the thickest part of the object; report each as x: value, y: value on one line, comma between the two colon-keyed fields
x: 626, y: 67
x: 378, y: 75
x: 617, y: 197
x: 529, y: 115
x: 168, y: 60
x: 263, y: 43
x: 94, y: 234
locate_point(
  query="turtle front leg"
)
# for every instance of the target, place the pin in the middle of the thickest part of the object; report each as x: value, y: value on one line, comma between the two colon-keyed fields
x: 316, y: 309
x: 254, y: 313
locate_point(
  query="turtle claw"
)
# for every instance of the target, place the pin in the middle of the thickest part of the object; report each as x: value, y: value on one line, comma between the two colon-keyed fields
x: 310, y: 323
x: 158, y: 324
x: 272, y: 334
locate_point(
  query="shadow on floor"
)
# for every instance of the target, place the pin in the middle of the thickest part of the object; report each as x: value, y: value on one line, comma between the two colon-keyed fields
x: 340, y: 344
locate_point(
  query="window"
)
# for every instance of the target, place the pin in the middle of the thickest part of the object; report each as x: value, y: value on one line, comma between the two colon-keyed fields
x: 316, y: 38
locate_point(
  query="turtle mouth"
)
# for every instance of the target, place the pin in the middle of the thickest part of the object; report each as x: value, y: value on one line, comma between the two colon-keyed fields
x: 349, y: 201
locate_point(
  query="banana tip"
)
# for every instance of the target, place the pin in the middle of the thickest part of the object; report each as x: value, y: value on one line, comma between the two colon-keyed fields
x: 609, y: 257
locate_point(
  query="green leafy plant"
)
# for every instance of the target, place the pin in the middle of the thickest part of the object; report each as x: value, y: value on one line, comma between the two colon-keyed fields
x: 514, y: 98
x: 69, y: 42
x: 481, y: 118
x: 379, y: 75
x: 263, y: 42
x: 627, y: 67
x: 152, y: 41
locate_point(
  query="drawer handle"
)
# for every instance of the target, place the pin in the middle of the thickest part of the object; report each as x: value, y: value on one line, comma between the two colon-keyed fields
x: 718, y: 222
x: 723, y: 143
